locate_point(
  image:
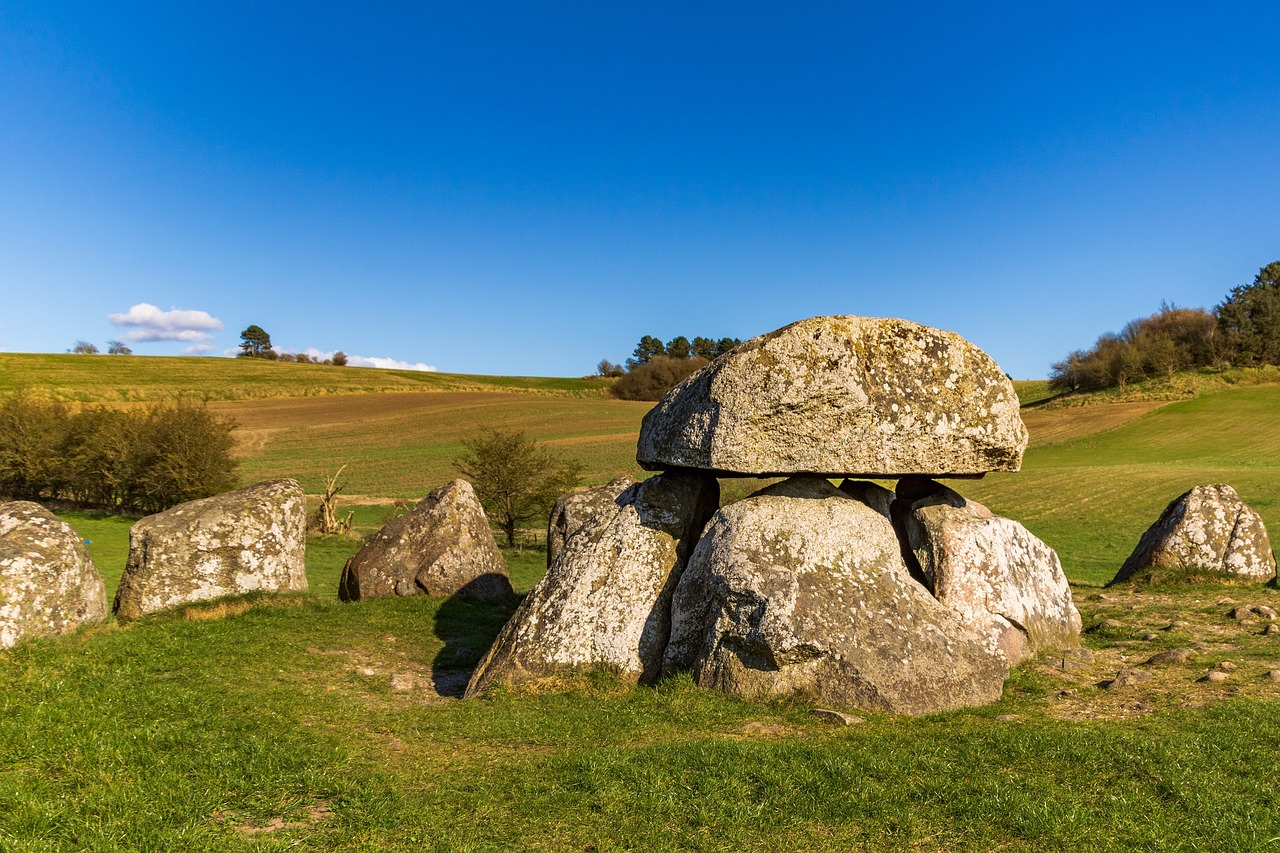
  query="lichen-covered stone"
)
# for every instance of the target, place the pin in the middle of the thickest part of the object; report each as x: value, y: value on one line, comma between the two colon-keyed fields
x: 606, y: 601
x: 841, y: 396
x: 443, y: 546
x: 574, y: 509
x: 48, y: 584
x: 243, y: 541
x: 1208, y: 528
x: 993, y: 573
x: 802, y: 590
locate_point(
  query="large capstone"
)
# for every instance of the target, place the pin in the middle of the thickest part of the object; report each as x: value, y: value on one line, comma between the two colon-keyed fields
x: 1208, y: 529
x: 252, y: 539
x: 48, y: 584
x: 837, y: 396
x: 992, y: 572
x: 443, y: 546
x: 605, y: 603
x: 802, y: 590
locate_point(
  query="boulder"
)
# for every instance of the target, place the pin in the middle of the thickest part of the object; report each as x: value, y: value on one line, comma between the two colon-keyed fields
x: 605, y: 603
x: 443, y: 546
x: 992, y: 572
x: 48, y: 584
x: 802, y: 590
x: 1207, y: 528
x: 574, y: 509
x: 844, y: 395
x: 243, y: 541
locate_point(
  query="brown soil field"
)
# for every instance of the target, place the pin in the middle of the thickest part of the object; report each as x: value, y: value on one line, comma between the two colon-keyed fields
x: 1049, y: 426
x: 404, y: 444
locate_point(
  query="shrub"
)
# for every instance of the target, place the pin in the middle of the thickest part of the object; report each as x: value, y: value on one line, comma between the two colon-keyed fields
x: 654, y: 378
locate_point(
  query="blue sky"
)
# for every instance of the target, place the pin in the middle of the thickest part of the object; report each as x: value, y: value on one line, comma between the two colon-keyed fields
x: 526, y: 188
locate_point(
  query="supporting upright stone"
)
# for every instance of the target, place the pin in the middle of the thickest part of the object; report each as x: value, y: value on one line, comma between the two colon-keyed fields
x: 606, y: 601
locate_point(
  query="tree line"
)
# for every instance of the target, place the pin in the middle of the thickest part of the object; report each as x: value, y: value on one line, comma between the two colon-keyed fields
x: 656, y: 367
x: 256, y: 343
x: 1243, y: 330
x: 123, y: 460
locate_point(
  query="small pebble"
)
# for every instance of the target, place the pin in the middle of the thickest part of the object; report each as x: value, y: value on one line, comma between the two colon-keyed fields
x: 364, y: 670
x: 1178, y: 625
x: 1108, y: 625
x: 1272, y: 628
x: 1215, y: 675
x: 1170, y: 656
x: 1225, y: 600
x: 1265, y: 612
x: 1239, y: 613
x: 1071, y: 694
x: 1149, y: 637
x: 1225, y: 666
x: 401, y: 683
x: 1126, y: 678
x: 1274, y: 675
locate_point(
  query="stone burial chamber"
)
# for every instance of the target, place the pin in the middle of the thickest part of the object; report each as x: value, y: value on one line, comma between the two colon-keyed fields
x: 912, y: 600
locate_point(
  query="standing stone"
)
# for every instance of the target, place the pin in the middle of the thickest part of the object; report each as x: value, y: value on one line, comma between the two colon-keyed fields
x: 250, y: 539
x: 841, y: 396
x: 998, y: 578
x: 606, y: 601
x: 575, y: 509
x: 48, y: 584
x: 1207, y: 528
x: 802, y: 590
x: 443, y: 546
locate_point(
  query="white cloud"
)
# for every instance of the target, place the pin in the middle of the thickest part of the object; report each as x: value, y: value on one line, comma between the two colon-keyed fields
x: 387, y: 363
x: 197, y: 349
x: 149, y: 323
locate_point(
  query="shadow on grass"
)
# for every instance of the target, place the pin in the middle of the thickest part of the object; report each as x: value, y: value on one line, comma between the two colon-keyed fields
x: 467, y: 627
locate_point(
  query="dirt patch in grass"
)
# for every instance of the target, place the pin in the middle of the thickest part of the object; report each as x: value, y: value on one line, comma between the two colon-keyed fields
x: 1048, y: 426
x: 306, y: 818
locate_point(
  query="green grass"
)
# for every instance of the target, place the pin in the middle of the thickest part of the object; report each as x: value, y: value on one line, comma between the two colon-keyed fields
x: 102, y: 378
x: 1092, y: 498
x: 175, y: 735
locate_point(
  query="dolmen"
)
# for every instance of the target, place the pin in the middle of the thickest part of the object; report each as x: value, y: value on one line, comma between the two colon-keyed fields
x: 48, y: 584
x: 911, y: 600
x: 248, y: 540
x: 1205, y: 529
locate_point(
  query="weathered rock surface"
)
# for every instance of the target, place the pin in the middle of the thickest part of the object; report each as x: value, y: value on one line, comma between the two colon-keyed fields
x: 606, y: 601
x: 443, y: 546
x: 1208, y: 528
x: 802, y: 590
x: 841, y: 396
x: 992, y: 572
x: 575, y: 509
x: 48, y: 584
x: 229, y: 544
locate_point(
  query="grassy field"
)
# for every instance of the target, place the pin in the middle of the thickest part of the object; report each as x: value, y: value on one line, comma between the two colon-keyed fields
x: 277, y: 727
x: 116, y: 379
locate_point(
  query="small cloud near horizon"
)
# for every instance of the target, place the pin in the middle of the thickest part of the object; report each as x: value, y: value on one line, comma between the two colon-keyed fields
x: 352, y: 360
x: 149, y: 324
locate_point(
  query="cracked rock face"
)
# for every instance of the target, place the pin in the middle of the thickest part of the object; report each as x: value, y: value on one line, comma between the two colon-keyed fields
x: 802, y: 590
x: 841, y: 395
x: 443, y: 546
x: 229, y: 544
x: 48, y: 584
x: 993, y: 573
x: 1208, y: 528
x: 606, y: 600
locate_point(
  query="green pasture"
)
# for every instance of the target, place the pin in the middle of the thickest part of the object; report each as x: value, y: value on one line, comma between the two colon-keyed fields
x: 1091, y: 498
x: 119, y: 379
